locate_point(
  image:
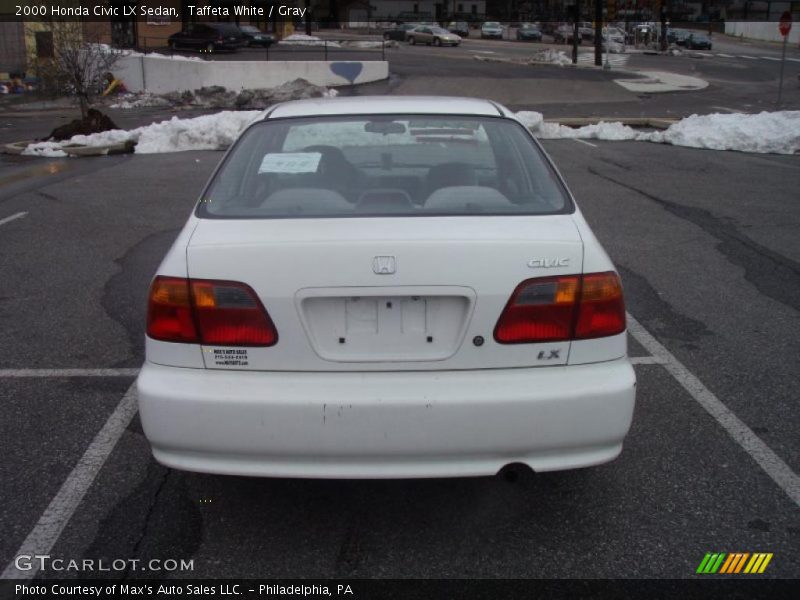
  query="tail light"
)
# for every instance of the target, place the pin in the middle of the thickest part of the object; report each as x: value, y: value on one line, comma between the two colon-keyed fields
x: 569, y: 307
x: 200, y: 311
x: 169, y: 311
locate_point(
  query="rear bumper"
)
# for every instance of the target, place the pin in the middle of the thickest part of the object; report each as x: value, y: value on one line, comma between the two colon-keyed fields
x: 386, y: 425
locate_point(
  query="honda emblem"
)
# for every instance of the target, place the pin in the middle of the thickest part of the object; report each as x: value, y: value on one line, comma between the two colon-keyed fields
x: 384, y: 265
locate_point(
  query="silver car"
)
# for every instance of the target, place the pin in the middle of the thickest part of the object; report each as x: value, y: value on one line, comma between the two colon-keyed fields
x: 491, y: 29
x: 437, y: 36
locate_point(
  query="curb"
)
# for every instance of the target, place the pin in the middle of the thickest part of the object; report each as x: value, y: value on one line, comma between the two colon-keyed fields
x: 16, y: 147
x: 654, y: 122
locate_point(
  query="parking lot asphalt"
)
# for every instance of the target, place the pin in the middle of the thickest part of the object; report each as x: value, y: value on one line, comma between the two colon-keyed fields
x: 706, y: 244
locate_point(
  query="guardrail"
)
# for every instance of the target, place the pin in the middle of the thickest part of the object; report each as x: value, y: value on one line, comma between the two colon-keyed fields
x: 323, y: 49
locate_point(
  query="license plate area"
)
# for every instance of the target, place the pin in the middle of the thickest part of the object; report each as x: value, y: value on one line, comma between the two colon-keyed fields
x: 370, y: 326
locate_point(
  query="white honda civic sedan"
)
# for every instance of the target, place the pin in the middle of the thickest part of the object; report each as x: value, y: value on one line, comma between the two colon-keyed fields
x: 385, y: 287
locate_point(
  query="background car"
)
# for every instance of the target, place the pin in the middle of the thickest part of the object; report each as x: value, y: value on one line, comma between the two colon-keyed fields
x: 399, y: 32
x: 208, y: 37
x: 677, y: 36
x: 586, y: 30
x: 698, y: 41
x: 436, y: 36
x: 386, y: 287
x: 256, y: 37
x: 529, y: 32
x: 492, y: 30
x: 614, y: 34
x: 460, y: 28
x: 564, y: 34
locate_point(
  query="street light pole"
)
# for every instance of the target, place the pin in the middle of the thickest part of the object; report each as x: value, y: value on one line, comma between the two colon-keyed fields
x: 576, y: 32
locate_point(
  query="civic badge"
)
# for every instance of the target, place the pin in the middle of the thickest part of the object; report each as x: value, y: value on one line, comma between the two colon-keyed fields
x: 384, y: 265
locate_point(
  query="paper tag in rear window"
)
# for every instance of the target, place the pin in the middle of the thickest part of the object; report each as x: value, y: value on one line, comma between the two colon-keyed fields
x: 290, y: 162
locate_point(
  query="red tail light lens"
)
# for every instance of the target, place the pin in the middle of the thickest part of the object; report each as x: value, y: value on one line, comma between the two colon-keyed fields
x: 602, y: 307
x: 219, y: 313
x: 230, y: 314
x: 169, y: 311
x: 551, y: 309
x: 539, y: 310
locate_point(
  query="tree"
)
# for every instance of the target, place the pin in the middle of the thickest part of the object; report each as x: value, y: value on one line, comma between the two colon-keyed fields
x: 75, y: 62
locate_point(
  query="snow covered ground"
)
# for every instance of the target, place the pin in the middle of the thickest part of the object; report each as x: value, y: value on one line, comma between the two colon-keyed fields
x: 766, y: 133
x: 300, y: 39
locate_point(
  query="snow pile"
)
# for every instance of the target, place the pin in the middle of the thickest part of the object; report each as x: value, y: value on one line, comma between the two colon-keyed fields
x: 763, y: 133
x: 550, y: 56
x: 45, y: 150
x: 300, y: 39
x: 553, y: 131
x: 531, y: 119
x: 134, y: 54
x: 217, y: 96
x: 208, y: 132
x: 614, y: 131
x: 368, y: 44
x: 141, y: 100
x: 776, y: 133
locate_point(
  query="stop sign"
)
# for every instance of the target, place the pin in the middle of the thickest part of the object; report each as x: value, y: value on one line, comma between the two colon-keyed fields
x: 786, y: 23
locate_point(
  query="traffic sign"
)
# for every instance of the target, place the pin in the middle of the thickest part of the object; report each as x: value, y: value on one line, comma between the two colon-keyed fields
x: 785, y: 25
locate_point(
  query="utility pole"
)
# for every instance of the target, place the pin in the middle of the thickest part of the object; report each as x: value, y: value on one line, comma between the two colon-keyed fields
x: 598, y: 32
x: 308, y: 17
x: 663, y: 26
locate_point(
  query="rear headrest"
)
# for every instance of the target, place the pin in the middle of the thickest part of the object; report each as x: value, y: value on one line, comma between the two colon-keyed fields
x: 450, y: 174
x: 472, y: 198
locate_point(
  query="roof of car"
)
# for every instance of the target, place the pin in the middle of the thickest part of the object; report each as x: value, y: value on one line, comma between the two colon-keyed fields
x: 377, y: 105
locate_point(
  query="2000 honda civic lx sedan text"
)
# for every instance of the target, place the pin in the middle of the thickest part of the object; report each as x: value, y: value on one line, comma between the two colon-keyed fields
x: 385, y: 287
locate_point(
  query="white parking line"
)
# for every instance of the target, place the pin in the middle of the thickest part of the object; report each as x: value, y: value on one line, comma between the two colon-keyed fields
x: 68, y: 372
x: 725, y: 55
x: 794, y: 59
x: 771, y: 58
x: 750, y: 57
x: 726, y: 109
x: 56, y: 516
x: 584, y: 142
x: 770, y: 462
x: 19, y: 215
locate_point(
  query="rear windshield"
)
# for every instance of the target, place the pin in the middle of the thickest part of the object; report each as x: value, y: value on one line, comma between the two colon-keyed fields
x: 384, y: 166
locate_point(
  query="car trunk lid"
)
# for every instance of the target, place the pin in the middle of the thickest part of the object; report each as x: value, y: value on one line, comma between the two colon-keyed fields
x: 385, y: 293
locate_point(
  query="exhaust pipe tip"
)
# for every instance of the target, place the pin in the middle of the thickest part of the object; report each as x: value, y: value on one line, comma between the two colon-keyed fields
x: 514, y: 472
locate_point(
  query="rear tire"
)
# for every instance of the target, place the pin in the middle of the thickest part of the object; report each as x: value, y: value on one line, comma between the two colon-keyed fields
x: 412, y: 41
x: 437, y: 42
